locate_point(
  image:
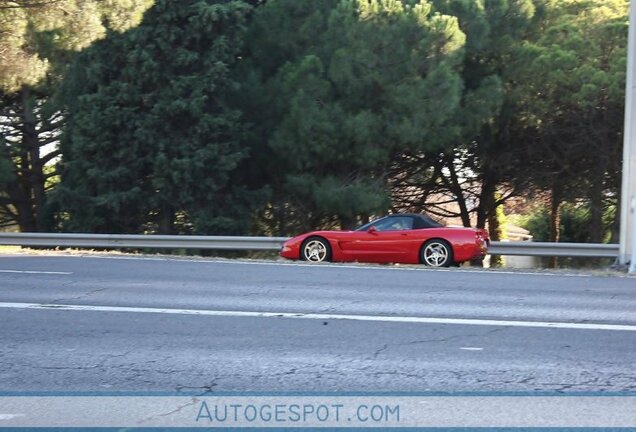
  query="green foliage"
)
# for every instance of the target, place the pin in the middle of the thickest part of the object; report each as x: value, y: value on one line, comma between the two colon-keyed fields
x: 480, y: 145
x: 37, y: 42
x: 542, y: 107
x: 28, y: 29
x: 339, y: 107
x: 537, y: 222
x: 363, y: 81
x: 571, y: 92
x: 502, y: 220
x: 574, y: 228
x: 6, y: 171
x: 153, y: 141
x: 574, y: 220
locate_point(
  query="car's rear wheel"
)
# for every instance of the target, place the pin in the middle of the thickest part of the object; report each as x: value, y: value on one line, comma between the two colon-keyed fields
x: 437, y: 253
x: 315, y: 249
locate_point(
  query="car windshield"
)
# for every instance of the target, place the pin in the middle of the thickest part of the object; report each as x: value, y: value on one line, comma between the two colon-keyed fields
x: 368, y: 224
x: 389, y: 223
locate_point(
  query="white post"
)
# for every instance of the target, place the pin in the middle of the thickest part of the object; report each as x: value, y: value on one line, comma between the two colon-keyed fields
x: 628, y: 189
x: 632, y: 263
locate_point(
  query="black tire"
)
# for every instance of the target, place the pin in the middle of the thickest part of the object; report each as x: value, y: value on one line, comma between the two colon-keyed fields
x: 315, y: 249
x: 437, y: 253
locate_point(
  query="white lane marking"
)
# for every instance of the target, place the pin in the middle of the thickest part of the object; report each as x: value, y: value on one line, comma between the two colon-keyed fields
x: 398, y: 268
x: 471, y: 349
x: 36, y: 272
x: 339, y: 266
x: 316, y: 316
x: 10, y: 416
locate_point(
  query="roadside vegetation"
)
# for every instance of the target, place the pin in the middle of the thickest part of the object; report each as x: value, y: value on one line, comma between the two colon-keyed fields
x: 277, y: 116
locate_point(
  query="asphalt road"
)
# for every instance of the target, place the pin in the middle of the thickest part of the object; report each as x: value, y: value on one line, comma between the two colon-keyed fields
x: 206, y: 325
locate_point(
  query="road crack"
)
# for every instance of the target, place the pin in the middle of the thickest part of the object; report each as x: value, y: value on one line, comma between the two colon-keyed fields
x: 86, y: 294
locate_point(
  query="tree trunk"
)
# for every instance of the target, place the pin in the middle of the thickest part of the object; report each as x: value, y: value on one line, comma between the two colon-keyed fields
x: 495, y: 230
x: 348, y: 222
x: 555, y: 220
x: 485, y: 208
x: 26, y: 190
x: 166, y: 221
x: 34, y: 174
x: 22, y: 204
x: 26, y: 219
x: 486, y: 201
x: 281, y: 218
x: 596, y: 205
x: 616, y: 222
x: 458, y: 192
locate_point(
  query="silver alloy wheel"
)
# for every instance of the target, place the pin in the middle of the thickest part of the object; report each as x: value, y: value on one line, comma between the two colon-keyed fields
x: 436, y: 254
x: 315, y: 251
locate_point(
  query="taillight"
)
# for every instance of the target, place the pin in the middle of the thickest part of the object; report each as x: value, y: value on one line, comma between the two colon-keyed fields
x: 481, y: 237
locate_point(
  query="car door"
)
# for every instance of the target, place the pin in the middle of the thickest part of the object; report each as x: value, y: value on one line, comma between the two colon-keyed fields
x: 384, y: 241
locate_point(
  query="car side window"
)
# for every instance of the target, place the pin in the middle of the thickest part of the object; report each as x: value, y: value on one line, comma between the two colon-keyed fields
x: 394, y: 224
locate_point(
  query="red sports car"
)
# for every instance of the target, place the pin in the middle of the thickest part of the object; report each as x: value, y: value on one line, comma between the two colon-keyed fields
x: 398, y: 238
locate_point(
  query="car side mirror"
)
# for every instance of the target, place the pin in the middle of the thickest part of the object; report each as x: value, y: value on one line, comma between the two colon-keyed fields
x: 372, y: 230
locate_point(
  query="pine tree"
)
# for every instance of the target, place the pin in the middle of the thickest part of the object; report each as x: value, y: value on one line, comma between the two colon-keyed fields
x: 361, y: 82
x: 153, y: 139
x: 37, y: 41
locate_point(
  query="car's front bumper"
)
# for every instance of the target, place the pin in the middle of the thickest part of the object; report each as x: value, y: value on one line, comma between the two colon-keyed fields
x: 289, y: 251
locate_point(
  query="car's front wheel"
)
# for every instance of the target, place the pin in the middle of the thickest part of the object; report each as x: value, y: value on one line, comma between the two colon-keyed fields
x: 315, y: 249
x: 437, y: 253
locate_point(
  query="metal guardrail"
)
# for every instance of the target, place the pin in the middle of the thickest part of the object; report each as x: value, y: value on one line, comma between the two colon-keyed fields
x: 587, y: 250
x: 115, y: 241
